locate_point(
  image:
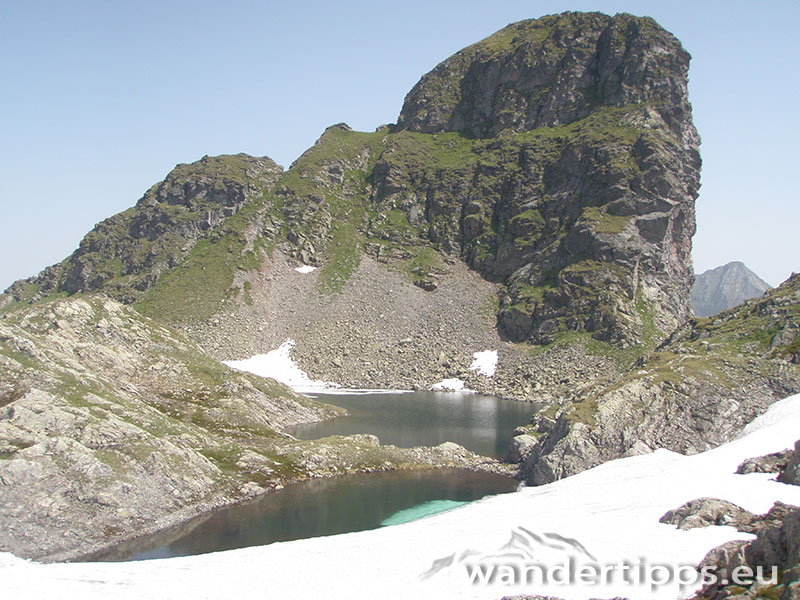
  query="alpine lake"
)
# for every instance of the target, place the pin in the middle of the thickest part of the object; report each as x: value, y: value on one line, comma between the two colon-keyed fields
x: 321, y: 507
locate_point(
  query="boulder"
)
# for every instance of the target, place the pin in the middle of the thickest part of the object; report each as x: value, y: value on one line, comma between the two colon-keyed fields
x: 704, y: 512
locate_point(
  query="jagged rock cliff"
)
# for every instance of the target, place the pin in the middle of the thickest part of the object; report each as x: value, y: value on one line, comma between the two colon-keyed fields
x: 556, y: 158
x: 722, y: 288
x: 553, y: 71
x: 601, y: 214
x: 696, y: 391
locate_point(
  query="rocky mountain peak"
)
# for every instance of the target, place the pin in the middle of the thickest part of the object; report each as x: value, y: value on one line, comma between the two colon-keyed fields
x: 552, y: 71
x: 724, y: 287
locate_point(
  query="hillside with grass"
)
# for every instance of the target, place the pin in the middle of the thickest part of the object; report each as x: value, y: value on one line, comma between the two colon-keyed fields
x: 697, y: 390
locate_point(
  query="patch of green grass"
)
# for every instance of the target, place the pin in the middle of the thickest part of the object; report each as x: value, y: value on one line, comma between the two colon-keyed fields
x: 530, y: 218
x: 534, y: 31
x: 344, y: 252
x: 425, y: 262
x: 490, y: 309
x: 773, y: 592
x: 584, y: 412
x: 397, y: 218
x: 603, y: 222
x: 606, y: 126
x: 419, y: 153
x: 202, y: 284
x: 231, y: 167
x: 793, y: 349
x: 197, y: 288
x: 248, y: 298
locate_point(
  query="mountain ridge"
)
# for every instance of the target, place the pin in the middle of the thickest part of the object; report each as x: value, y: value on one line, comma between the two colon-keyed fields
x: 582, y: 220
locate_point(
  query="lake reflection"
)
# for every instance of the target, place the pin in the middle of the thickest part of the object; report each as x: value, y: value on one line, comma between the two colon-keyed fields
x: 479, y: 423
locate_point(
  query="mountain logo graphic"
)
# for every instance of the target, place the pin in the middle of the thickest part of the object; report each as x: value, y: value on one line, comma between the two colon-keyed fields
x: 523, y: 545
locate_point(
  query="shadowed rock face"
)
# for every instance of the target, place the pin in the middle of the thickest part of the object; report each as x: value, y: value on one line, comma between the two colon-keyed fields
x: 791, y: 472
x: 774, y: 552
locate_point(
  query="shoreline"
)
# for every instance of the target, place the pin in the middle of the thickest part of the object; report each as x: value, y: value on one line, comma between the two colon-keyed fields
x: 183, y: 517
x: 174, y: 532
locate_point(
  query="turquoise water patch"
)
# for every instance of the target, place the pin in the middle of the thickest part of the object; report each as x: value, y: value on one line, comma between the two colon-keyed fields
x: 421, y: 510
x: 321, y: 507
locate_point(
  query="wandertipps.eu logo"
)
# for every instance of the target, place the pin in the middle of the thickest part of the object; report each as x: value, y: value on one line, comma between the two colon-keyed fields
x: 551, y: 559
x: 523, y: 546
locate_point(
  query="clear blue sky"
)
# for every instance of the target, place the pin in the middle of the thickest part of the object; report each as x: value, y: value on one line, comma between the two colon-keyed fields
x: 101, y: 99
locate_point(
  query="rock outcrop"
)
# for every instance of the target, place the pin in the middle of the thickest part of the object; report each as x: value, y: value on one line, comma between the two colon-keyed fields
x: 791, y: 472
x: 705, y: 512
x: 589, y: 222
x: 770, y: 463
x: 722, y: 288
x: 773, y: 559
x: 696, y: 391
x: 113, y: 426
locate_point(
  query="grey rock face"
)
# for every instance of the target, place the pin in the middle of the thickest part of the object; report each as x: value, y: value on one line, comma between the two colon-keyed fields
x: 119, y: 425
x: 705, y: 512
x: 770, y: 463
x: 791, y: 473
x: 723, y: 560
x: 722, y: 288
x: 521, y: 446
x: 632, y: 227
x: 516, y: 80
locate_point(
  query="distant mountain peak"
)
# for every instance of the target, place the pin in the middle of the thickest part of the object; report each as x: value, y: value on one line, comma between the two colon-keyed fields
x: 723, y: 287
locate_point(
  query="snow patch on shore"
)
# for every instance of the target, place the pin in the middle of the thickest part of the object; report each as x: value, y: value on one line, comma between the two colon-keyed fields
x: 278, y: 365
x: 305, y: 269
x: 485, y: 363
x: 450, y: 385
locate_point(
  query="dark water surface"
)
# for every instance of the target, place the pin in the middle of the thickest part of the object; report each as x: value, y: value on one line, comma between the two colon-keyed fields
x: 479, y: 423
x: 323, y: 507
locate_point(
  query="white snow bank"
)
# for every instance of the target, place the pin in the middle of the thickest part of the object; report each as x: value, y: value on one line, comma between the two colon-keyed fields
x: 485, y: 363
x: 612, y: 510
x: 450, y: 385
x: 278, y: 365
x: 305, y: 269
